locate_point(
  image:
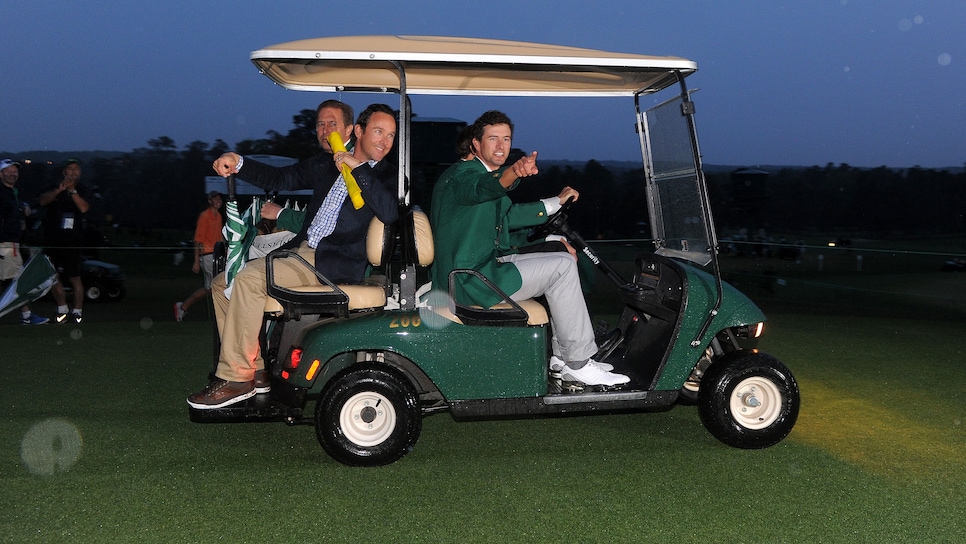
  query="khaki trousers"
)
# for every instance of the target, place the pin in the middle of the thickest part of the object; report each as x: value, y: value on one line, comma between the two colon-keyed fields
x: 240, y: 318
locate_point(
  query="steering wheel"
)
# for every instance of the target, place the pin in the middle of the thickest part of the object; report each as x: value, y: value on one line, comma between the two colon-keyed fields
x: 553, y: 224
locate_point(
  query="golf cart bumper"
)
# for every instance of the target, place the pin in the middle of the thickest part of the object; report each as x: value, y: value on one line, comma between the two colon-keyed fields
x: 284, y: 403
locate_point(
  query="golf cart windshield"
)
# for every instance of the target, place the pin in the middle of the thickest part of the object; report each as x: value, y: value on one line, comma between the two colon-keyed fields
x: 678, y: 211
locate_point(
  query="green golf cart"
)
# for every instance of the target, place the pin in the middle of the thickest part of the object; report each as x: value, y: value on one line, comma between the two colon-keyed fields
x: 365, y: 363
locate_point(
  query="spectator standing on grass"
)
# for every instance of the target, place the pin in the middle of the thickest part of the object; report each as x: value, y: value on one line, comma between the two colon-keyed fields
x: 208, y: 232
x: 67, y: 204
x: 13, y: 215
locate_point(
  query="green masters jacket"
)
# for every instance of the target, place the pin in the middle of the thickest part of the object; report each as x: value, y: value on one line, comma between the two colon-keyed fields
x: 472, y: 219
x: 290, y: 220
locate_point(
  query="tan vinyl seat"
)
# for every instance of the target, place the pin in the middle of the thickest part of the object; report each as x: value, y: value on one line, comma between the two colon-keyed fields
x: 361, y: 297
x: 536, y: 312
x: 368, y: 295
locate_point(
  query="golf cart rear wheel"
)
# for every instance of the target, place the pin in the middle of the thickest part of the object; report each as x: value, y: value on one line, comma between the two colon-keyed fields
x: 749, y: 400
x: 368, y: 416
x: 114, y: 293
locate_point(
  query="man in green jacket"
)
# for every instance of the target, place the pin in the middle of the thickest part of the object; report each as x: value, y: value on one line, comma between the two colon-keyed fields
x: 472, y: 219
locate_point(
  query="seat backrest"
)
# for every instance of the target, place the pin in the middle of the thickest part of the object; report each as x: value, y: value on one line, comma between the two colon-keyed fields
x: 423, y: 236
x: 379, y: 240
x: 380, y: 237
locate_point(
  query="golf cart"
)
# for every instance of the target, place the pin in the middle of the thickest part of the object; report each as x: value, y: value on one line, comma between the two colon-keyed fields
x: 365, y: 363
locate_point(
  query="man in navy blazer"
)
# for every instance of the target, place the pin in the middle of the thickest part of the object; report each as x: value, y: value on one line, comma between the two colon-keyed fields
x: 332, y: 238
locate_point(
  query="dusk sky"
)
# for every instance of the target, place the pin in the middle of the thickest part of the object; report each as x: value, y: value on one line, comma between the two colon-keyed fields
x: 863, y: 82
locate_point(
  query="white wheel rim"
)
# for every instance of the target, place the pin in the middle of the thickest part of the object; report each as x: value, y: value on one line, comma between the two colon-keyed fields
x: 367, y: 419
x: 756, y: 403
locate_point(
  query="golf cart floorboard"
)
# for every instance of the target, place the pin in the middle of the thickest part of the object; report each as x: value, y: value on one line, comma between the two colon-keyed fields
x: 586, y: 401
x: 260, y: 408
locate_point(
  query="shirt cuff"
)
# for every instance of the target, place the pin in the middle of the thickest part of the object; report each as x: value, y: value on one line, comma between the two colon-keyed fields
x: 241, y: 162
x: 552, y: 204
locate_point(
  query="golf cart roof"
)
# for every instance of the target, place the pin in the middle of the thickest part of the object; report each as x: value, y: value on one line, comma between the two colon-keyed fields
x: 463, y: 66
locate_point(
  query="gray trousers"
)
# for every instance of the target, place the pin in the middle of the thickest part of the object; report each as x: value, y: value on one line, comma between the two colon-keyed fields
x: 555, y: 276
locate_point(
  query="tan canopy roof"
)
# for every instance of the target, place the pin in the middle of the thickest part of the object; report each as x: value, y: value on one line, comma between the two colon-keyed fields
x: 463, y: 66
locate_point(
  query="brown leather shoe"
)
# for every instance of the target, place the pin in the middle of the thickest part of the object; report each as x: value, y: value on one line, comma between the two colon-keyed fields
x: 220, y: 393
x: 263, y: 381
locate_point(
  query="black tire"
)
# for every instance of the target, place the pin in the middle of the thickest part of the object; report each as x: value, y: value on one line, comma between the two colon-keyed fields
x: 115, y: 293
x: 749, y: 400
x: 688, y: 395
x: 368, y: 416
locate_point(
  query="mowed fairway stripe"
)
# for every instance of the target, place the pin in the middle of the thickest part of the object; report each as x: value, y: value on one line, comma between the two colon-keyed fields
x: 877, y: 439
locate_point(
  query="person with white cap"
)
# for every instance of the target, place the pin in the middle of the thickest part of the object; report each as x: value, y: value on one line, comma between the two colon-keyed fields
x: 13, y: 215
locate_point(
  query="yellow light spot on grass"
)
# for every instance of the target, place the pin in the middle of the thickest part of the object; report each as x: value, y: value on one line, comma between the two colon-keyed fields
x: 880, y: 440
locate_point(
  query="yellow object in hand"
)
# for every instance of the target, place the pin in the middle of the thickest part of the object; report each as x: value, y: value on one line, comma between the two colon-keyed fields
x: 355, y: 193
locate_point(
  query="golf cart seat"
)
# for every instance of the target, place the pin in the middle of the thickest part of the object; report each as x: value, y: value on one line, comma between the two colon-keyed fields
x: 325, y: 297
x: 518, y: 313
x: 496, y: 315
x: 509, y: 313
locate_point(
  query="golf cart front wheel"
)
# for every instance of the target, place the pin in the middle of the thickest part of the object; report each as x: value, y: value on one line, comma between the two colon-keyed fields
x: 93, y: 293
x: 368, y: 416
x: 749, y: 401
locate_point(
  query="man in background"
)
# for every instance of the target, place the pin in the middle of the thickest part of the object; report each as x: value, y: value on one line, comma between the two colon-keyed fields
x: 67, y: 204
x: 208, y: 232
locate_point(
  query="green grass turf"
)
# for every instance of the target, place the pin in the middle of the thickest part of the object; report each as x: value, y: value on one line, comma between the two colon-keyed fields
x: 877, y: 456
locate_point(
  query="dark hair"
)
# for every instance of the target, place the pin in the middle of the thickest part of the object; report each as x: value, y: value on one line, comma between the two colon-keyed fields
x: 347, y: 114
x: 491, y: 117
x: 366, y: 114
x: 464, y: 142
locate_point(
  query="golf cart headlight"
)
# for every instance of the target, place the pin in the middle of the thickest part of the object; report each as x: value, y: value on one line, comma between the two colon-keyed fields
x: 748, y: 332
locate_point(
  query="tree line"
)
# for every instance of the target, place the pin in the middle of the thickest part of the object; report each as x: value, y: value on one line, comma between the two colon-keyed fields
x: 161, y: 186
x: 871, y: 202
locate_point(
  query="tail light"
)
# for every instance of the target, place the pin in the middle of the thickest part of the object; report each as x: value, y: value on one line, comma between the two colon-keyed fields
x: 294, y: 359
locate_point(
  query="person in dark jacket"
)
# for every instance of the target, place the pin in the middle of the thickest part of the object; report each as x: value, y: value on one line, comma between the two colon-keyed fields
x: 67, y: 204
x: 332, y: 238
x: 13, y: 214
